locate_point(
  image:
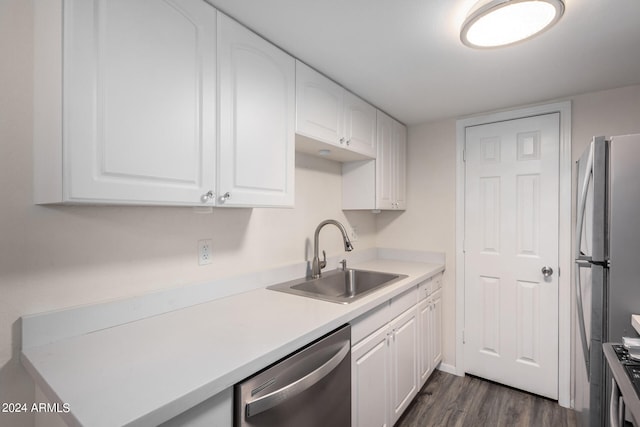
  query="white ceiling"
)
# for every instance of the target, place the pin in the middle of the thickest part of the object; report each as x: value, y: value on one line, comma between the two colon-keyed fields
x: 405, y: 56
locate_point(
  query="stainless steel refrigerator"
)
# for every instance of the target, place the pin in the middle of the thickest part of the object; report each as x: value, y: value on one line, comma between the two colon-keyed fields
x: 607, y: 264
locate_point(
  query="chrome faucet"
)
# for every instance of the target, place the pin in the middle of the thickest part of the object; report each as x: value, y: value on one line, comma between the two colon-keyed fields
x: 317, y: 265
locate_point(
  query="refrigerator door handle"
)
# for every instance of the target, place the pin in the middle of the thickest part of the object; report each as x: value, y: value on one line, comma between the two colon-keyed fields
x: 581, y: 325
x: 582, y: 203
x: 616, y: 406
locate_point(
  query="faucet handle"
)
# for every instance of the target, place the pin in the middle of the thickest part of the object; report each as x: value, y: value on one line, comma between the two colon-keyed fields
x: 323, y: 263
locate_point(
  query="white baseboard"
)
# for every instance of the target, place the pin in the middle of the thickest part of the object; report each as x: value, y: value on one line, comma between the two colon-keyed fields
x: 449, y: 369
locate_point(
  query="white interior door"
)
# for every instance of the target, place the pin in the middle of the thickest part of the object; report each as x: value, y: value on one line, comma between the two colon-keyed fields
x: 511, y: 233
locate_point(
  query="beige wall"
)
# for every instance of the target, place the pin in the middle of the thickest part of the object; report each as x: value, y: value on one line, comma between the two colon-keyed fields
x: 429, y: 222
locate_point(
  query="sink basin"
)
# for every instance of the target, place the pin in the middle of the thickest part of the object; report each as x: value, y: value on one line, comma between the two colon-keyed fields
x: 341, y: 286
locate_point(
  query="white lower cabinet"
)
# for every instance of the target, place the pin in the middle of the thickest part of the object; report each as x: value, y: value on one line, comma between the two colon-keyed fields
x: 396, y: 347
x: 429, y: 332
x: 403, y: 344
x: 384, y: 363
x: 436, y: 327
x: 370, y: 382
x: 425, y: 361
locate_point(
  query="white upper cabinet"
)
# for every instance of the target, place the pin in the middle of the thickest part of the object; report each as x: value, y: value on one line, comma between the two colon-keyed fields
x: 125, y: 107
x: 359, y: 125
x: 125, y: 96
x: 391, y: 164
x: 400, y: 165
x: 330, y: 117
x: 319, y: 102
x: 257, y: 119
x: 379, y: 184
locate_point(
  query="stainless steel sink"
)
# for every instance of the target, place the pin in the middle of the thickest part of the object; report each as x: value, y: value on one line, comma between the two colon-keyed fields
x: 341, y: 286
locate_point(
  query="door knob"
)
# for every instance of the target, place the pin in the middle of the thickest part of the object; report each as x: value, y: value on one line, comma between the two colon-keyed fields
x: 547, y: 271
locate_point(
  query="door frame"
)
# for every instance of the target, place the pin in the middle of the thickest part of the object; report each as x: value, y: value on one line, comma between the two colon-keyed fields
x: 564, y: 231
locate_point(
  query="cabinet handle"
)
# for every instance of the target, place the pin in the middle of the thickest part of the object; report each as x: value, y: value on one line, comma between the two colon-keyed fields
x: 226, y: 196
x: 348, y: 141
x: 207, y: 197
x: 341, y: 140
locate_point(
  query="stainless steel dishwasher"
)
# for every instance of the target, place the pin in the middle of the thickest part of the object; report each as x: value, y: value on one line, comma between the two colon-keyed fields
x: 311, y: 387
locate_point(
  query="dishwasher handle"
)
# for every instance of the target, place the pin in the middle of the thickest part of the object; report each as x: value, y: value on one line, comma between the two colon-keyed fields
x: 261, y: 404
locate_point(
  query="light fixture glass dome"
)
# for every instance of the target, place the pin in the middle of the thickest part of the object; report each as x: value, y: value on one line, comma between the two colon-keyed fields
x: 503, y: 22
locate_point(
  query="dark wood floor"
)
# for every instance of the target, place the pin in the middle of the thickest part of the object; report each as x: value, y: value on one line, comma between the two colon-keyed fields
x: 449, y: 400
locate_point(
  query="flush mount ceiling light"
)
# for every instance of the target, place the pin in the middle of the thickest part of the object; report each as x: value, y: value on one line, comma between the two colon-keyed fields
x: 493, y: 23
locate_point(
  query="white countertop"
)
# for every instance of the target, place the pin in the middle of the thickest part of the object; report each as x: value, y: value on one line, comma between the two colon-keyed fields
x: 150, y: 370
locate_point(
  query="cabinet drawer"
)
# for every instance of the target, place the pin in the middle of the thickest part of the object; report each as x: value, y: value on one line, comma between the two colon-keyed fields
x: 369, y: 322
x: 372, y: 320
x: 401, y: 303
x: 436, y: 282
x: 424, y: 289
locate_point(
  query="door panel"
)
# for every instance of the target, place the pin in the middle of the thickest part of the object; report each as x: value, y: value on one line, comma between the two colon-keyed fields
x: 404, y: 361
x: 257, y: 108
x: 319, y: 106
x: 511, y: 232
x: 139, y: 100
x: 370, y: 376
x: 360, y: 125
x: 384, y: 162
x: 436, y: 328
x: 424, y: 340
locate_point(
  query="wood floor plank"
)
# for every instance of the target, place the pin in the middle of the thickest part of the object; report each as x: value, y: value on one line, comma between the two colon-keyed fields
x: 450, y: 401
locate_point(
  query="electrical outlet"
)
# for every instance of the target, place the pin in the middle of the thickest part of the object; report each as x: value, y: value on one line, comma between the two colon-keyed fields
x: 353, y: 236
x: 204, y: 251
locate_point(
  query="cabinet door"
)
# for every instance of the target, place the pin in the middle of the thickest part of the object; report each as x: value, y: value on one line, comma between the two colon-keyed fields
x: 359, y: 125
x: 139, y: 101
x: 400, y: 165
x: 424, y: 341
x: 384, y: 162
x: 257, y: 115
x: 370, y: 385
x: 436, y: 325
x: 404, y: 372
x: 319, y: 106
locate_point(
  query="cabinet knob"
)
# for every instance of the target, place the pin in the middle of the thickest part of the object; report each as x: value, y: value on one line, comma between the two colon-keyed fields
x: 226, y: 196
x: 207, y: 197
x: 341, y: 140
x: 348, y: 141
